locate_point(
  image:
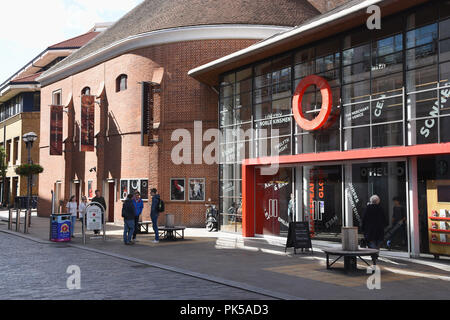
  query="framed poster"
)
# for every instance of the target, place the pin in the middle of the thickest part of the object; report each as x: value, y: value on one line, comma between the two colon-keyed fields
x: 134, y: 186
x: 90, y: 189
x: 197, y: 190
x: 177, y: 189
x: 124, y: 189
x: 144, y: 189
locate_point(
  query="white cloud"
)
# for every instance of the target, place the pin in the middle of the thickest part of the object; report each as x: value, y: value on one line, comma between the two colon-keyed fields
x: 28, y: 27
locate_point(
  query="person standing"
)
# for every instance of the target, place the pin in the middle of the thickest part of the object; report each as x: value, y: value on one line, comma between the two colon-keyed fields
x: 82, y: 208
x: 98, y: 199
x: 72, y: 209
x: 128, y: 214
x: 154, y: 214
x: 291, y: 208
x: 373, y: 223
x: 139, y: 207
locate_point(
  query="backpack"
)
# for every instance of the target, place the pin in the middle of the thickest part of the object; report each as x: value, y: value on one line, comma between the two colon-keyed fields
x: 161, y: 206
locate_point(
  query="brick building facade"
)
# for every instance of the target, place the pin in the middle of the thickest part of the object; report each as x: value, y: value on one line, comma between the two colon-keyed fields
x: 160, y: 56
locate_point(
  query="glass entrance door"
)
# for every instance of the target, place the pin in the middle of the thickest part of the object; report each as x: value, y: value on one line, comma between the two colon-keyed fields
x: 322, y: 190
x: 273, y: 193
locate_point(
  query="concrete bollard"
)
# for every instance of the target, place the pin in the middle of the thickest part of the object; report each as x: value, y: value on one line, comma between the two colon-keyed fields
x: 10, y: 219
x: 350, y: 239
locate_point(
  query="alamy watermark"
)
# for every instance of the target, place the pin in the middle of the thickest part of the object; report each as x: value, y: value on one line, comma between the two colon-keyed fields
x: 374, y: 281
x: 228, y: 145
x: 374, y: 20
x: 74, y: 280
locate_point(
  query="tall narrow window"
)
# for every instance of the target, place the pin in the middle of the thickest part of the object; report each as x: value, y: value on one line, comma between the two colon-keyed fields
x: 121, y: 83
x: 16, y: 151
x: 57, y: 98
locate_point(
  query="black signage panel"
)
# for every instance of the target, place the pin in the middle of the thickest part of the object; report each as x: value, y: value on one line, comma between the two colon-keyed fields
x: 299, y: 236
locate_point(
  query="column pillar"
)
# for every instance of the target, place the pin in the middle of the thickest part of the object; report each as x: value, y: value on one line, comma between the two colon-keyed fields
x: 413, y: 212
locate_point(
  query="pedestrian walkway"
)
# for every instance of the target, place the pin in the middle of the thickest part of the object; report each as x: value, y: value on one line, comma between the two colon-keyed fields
x: 261, y: 264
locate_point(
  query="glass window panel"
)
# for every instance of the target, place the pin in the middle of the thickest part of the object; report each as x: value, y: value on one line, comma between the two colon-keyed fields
x: 226, y: 91
x: 387, y: 46
x: 226, y: 113
x: 311, y: 103
x: 263, y: 128
x: 262, y: 95
x: 229, y: 78
x: 355, y: 92
x: 387, y: 110
x: 420, y: 36
x: 243, y: 114
x: 263, y: 81
x: 328, y: 140
x: 283, y: 125
x: 244, y: 86
x: 445, y: 102
x: 387, y: 64
x: 357, y: 115
x: 357, y: 138
x: 444, y: 9
x: 385, y: 135
x: 424, y: 131
x: 263, y: 110
x: 444, y: 50
x: 244, y: 99
x: 281, y: 90
x: 357, y: 54
x: 421, y: 56
x: 356, y: 38
x: 444, y: 70
x: 424, y: 104
x: 387, y: 86
x: 282, y: 107
x: 228, y: 153
x: 281, y: 146
x: 283, y: 75
x: 421, y: 79
x: 326, y: 63
x: 305, y: 143
x: 357, y: 72
x: 303, y: 70
x: 332, y: 76
x: 445, y: 132
x: 263, y: 148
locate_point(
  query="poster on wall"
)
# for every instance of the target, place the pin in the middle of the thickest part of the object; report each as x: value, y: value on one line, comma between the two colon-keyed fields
x: 56, y: 130
x: 90, y: 190
x: 144, y: 189
x: 134, y: 186
x: 197, y: 190
x: 87, y: 123
x: 123, y: 189
x: 177, y: 190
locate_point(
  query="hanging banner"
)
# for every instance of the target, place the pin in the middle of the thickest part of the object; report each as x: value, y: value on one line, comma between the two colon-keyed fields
x: 56, y: 130
x: 87, y: 124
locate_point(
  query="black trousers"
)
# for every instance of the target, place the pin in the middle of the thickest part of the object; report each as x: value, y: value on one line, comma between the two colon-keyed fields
x: 136, y: 227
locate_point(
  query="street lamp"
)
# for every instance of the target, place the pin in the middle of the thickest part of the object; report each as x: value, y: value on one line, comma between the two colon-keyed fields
x: 29, y: 138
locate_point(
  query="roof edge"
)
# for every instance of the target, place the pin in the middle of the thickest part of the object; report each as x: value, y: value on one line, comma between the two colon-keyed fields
x: 164, y: 36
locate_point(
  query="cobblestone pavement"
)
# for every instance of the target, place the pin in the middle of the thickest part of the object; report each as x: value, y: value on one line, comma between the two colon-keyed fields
x: 30, y: 270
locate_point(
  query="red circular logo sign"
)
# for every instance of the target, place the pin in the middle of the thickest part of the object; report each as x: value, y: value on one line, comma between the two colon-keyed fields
x: 327, y: 103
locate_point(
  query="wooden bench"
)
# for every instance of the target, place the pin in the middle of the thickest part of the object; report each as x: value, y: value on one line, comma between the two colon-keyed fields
x: 144, y: 227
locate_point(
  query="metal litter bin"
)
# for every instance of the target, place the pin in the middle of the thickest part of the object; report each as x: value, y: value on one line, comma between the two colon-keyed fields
x: 60, y: 225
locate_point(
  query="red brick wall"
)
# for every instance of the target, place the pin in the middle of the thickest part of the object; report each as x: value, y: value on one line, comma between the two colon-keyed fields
x: 119, y: 154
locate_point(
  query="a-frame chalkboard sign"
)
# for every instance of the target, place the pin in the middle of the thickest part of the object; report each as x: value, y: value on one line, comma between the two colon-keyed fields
x: 299, y: 237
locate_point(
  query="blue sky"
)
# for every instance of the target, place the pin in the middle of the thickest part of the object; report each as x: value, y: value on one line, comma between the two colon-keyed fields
x: 29, y: 27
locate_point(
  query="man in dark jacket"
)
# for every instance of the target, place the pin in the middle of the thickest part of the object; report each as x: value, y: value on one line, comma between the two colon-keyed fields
x: 373, y: 223
x: 139, y: 206
x: 154, y: 214
x: 128, y: 214
x: 100, y: 200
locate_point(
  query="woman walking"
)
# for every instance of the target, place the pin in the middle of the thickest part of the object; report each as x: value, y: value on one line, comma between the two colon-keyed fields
x: 72, y: 209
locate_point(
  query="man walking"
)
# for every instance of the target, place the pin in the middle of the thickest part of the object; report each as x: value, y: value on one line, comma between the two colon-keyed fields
x: 154, y: 214
x: 99, y: 200
x: 138, y: 206
x: 128, y: 214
